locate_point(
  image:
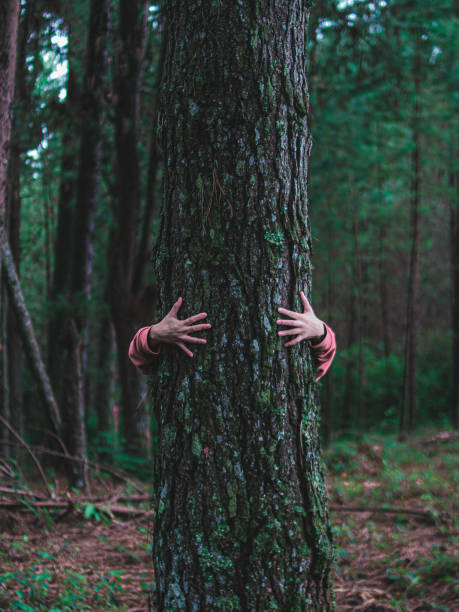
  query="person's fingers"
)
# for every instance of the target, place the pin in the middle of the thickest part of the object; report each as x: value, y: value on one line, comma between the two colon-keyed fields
x: 193, y: 339
x: 307, y: 306
x: 287, y: 322
x: 295, y: 341
x: 185, y: 349
x: 289, y: 313
x: 176, y: 307
x: 290, y: 332
x: 194, y: 328
x: 194, y: 318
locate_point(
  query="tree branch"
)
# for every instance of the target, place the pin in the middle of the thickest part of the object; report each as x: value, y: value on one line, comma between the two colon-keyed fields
x: 27, y: 332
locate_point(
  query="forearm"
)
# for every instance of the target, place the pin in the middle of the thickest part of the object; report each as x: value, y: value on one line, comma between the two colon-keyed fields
x: 324, y: 352
x: 142, y: 351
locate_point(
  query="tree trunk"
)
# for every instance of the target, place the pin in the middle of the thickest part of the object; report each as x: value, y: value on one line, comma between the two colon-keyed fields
x: 129, y: 70
x: 92, y: 114
x: 76, y: 328
x: 9, y: 13
x: 454, y: 218
x: 5, y: 408
x: 16, y: 299
x: 63, y: 246
x: 9, y: 17
x: 383, y: 294
x: 14, y: 348
x: 241, y: 520
x: 327, y: 401
x: 151, y: 205
x: 409, y: 408
x: 74, y: 242
x: 104, y: 386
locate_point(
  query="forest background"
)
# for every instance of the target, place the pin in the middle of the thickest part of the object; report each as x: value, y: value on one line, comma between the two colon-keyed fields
x: 84, y: 199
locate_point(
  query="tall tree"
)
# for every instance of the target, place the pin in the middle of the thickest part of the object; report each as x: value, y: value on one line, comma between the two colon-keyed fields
x: 409, y: 407
x: 130, y: 54
x: 74, y: 353
x: 9, y: 17
x: 73, y: 275
x: 241, y: 516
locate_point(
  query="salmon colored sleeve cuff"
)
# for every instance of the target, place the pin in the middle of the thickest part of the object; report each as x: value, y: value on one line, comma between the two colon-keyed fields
x: 140, y: 352
x: 324, y: 352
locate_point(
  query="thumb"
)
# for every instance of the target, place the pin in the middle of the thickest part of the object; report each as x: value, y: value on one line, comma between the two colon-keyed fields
x: 306, y: 305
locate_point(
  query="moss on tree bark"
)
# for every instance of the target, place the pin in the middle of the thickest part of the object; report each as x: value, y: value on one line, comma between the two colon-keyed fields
x: 241, y: 519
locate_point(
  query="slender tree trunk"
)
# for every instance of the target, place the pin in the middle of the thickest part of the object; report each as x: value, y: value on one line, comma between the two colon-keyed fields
x: 92, y: 113
x: 5, y: 408
x: 382, y: 255
x: 13, y: 222
x: 353, y: 389
x: 383, y: 296
x: 241, y: 518
x: 74, y: 353
x: 361, y: 320
x: 454, y: 220
x: 409, y: 408
x: 151, y: 205
x: 14, y: 348
x: 348, y: 399
x: 9, y: 14
x: 129, y: 70
x: 104, y: 390
x: 29, y: 340
x: 63, y: 247
x: 73, y: 274
x: 327, y: 402
x: 9, y: 17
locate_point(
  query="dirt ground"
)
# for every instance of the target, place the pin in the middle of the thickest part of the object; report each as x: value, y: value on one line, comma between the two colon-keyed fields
x: 101, y: 552
x: 385, y: 561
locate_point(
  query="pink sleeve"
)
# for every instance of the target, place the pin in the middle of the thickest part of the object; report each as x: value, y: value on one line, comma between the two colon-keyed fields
x: 324, y: 352
x: 140, y: 352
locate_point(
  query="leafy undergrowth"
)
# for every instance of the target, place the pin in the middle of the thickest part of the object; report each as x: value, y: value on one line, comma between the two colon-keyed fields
x: 89, y: 560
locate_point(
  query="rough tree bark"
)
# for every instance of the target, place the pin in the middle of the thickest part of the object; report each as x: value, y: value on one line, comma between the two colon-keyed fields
x: 241, y: 519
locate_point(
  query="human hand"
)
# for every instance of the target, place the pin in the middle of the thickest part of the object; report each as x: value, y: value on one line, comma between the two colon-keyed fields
x: 172, y: 330
x: 305, y: 325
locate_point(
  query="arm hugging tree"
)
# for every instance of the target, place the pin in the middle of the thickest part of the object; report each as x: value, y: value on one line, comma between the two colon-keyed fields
x: 241, y: 520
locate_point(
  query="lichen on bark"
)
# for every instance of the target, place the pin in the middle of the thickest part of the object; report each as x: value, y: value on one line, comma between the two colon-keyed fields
x: 241, y: 519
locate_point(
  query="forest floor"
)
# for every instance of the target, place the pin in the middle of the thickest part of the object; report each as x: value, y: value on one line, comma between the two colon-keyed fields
x: 83, y: 559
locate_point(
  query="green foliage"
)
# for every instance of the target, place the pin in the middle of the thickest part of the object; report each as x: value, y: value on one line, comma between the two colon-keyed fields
x: 35, y: 592
x: 435, y: 569
x: 382, y: 380
x: 360, y: 190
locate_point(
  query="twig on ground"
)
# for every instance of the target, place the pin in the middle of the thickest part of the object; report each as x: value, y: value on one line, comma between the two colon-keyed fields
x: 50, y: 504
x: 94, y: 464
x: 9, y: 491
x: 421, y: 513
x: 29, y: 450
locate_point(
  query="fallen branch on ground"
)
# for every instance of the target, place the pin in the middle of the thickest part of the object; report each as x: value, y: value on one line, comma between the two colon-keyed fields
x: 79, y: 500
x: 421, y: 513
x: 50, y: 505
